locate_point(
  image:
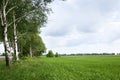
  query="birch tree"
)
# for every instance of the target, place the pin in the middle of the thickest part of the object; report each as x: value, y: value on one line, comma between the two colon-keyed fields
x: 16, y: 13
x: 15, y: 39
x: 4, y: 25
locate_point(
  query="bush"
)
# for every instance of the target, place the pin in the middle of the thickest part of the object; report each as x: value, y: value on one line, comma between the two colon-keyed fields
x: 56, y: 55
x: 3, y: 54
x: 50, y: 53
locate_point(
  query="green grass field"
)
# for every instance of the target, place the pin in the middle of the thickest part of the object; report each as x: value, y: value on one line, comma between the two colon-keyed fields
x: 64, y: 68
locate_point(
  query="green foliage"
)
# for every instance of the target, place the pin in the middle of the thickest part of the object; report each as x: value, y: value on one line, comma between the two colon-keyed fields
x: 36, y: 42
x: 3, y: 54
x: 50, y: 53
x: 64, y: 68
x: 30, y: 16
x: 57, y: 55
x: 28, y: 34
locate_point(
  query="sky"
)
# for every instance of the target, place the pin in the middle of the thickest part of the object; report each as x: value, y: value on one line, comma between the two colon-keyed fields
x: 83, y: 26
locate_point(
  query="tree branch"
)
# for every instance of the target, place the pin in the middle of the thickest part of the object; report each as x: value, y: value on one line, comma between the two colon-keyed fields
x: 18, y: 19
x: 20, y: 35
x: 3, y: 3
x: 15, y: 20
x: 1, y: 17
x: 10, y: 10
x: 6, y: 4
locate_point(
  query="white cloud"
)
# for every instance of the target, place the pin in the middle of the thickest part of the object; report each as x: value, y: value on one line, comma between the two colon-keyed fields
x: 83, y: 26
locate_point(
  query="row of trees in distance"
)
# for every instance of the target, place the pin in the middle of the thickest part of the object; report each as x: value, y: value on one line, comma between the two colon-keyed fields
x: 82, y: 54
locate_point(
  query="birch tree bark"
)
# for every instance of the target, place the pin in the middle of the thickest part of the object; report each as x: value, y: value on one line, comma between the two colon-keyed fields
x: 30, y: 50
x: 5, y: 38
x: 15, y: 39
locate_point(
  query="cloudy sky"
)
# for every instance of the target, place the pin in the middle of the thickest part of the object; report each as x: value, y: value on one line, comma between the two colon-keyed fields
x: 78, y: 26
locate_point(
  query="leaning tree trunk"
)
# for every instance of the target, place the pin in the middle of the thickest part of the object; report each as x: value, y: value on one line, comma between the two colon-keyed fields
x: 5, y: 37
x: 15, y: 40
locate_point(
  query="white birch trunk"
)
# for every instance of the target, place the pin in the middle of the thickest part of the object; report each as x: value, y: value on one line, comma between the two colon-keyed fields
x: 5, y: 38
x: 30, y: 51
x: 15, y: 40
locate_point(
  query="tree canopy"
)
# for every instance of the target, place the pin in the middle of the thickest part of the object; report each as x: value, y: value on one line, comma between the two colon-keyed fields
x: 20, y: 22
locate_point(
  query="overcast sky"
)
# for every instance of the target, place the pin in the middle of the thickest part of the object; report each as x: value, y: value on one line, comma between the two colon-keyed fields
x: 78, y: 26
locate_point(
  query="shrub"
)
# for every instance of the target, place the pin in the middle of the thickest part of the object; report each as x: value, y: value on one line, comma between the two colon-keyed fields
x: 3, y: 54
x: 50, y: 53
x: 56, y: 55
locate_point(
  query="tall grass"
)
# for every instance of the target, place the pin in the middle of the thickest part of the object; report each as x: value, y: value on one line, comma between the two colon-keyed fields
x: 64, y: 68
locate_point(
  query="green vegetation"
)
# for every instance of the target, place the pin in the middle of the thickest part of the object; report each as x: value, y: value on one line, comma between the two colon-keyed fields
x: 50, y: 54
x: 57, y: 55
x: 64, y: 68
x: 20, y: 25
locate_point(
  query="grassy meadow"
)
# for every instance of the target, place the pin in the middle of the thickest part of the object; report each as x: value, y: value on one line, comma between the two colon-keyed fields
x: 63, y: 68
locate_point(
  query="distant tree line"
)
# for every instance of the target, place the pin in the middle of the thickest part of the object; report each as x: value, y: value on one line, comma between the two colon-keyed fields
x: 81, y: 54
